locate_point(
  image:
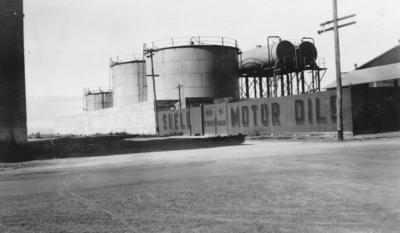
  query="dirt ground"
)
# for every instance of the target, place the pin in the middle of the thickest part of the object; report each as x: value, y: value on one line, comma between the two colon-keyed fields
x: 251, y: 186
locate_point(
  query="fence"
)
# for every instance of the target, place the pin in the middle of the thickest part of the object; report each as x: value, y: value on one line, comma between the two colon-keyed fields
x: 314, y: 112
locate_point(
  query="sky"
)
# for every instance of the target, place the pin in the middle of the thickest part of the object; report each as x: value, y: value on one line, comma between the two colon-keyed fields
x: 68, y: 43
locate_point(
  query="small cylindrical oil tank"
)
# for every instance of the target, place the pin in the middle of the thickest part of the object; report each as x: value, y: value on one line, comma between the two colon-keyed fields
x: 281, y: 53
x: 306, y: 54
x: 190, y: 72
x: 97, y: 100
x: 129, y: 82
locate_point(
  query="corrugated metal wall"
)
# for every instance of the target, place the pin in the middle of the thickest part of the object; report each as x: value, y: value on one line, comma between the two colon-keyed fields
x: 375, y: 109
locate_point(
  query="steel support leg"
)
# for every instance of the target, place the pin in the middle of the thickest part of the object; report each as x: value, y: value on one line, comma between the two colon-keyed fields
x: 287, y: 85
x: 247, y: 87
x: 255, y: 86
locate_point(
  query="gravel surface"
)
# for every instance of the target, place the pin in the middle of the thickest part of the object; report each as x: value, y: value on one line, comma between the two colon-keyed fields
x: 254, y: 186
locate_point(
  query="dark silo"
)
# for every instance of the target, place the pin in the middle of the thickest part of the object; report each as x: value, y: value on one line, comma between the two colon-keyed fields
x: 13, y: 131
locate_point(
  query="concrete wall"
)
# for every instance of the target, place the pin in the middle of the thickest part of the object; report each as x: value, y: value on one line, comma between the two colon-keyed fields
x: 292, y: 114
x: 134, y: 119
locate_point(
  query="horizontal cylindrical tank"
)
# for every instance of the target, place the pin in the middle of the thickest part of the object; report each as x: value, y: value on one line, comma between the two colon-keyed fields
x: 98, y: 100
x: 281, y: 53
x: 194, y: 71
x: 306, y: 54
x: 129, y: 82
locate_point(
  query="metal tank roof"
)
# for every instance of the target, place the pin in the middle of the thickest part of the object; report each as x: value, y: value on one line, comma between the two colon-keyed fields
x: 368, y: 75
x: 190, y: 41
x: 127, y: 58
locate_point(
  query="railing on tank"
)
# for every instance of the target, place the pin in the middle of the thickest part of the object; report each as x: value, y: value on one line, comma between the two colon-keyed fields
x: 126, y: 58
x: 193, y: 40
x: 96, y: 90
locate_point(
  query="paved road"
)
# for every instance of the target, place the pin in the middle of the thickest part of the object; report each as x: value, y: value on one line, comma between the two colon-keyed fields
x: 259, y: 186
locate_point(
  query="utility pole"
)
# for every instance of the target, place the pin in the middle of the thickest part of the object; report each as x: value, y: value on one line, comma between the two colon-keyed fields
x: 179, y: 93
x: 335, y: 28
x: 109, y: 74
x: 339, y: 107
x: 150, y: 54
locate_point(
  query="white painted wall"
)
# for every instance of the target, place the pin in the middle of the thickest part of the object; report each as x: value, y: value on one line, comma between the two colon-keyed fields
x: 134, y: 119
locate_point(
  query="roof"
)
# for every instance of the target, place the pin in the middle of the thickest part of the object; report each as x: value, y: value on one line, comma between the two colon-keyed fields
x: 389, y: 57
x: 368, y: 75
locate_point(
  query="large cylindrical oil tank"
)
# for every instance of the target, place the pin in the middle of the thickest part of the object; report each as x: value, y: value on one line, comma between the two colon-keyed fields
x: 194, y: 71
x: 129, y: 82
x: 13, y: 130
x: 282, y: 52
x: 306, y: 54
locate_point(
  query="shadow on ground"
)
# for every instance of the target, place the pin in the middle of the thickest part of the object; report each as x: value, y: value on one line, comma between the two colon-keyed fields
x: 111, y: 145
